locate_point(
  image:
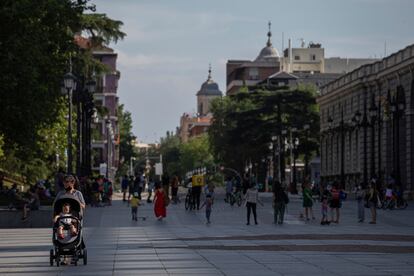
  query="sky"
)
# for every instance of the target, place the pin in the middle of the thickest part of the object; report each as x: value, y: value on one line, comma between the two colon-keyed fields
x: 165, y: 56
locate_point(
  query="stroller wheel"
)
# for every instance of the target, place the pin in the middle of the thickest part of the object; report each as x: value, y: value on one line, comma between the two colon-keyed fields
x: 57, y: 260
x: 52, y: 257
x: 85, y: 257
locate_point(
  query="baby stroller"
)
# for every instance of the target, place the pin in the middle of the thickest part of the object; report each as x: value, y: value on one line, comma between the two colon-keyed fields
x: 68, y: 245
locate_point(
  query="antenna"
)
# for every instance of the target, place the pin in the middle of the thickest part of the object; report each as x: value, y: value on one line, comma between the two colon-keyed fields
x: 385, y: 48
x: 283, y: 41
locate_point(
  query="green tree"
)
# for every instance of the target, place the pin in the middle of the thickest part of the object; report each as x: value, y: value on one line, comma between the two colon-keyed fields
x: 37, y: 39
x: 170, y: 150
x: 243, y: 124
x: 195, y: 154
x: 126, y: 140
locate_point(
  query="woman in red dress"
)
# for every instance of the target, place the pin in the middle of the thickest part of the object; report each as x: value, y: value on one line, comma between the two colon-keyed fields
x: 159, y: 203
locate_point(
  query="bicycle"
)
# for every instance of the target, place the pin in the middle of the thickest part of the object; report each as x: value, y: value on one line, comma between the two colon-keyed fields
x: 236, y: 197
x: 189, y: 201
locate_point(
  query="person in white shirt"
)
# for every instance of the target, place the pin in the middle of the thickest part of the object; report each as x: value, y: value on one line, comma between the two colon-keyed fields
x: 251, y: 200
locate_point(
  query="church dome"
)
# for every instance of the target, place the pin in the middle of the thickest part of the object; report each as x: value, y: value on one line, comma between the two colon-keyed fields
x: 269, y: 51
x: 209, y: 87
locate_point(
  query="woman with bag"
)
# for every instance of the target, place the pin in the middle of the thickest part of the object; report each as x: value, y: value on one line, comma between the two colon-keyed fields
x: 160, y: 201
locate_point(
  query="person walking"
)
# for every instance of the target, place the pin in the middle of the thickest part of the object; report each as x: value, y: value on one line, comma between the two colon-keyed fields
x: 307, y: 201
x: 135, y: 202
x: 251, y: 200
x: 124, y: 187
x: 150, y: 188
x: 208, y: 203
x: 360, y: 197
x: 280, y: 199
x: 160, y: 209
x: 69, y: 185
x: 335, y: 203
x: 229, y: 189
x: 174, y: 189
x: 371, y: 201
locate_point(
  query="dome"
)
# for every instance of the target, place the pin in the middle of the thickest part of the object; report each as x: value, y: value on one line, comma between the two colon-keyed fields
x: 269, y: 51
x: 209, y: 87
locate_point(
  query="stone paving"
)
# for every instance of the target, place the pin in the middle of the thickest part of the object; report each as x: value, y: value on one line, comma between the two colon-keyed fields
x: 184, y: 245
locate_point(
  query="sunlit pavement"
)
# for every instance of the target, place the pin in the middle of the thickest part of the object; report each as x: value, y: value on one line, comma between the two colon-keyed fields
x: 183, y: 244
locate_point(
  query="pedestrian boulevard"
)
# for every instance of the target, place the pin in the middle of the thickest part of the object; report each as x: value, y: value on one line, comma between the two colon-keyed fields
x: 183, y: 244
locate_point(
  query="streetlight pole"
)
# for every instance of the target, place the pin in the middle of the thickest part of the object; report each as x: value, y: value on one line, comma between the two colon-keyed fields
x: 131, y: 170
x: 108, y: 146
x: 373, y: 117
x: 397, y: 107
x: 306, y: 128
x: 70, y: 85
x: 342, y: 130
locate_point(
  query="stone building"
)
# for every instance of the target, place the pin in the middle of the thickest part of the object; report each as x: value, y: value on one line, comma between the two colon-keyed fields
x: 367, y: 124
x: 246, y: 72
x: 308, y: 64
x: 197, y: 124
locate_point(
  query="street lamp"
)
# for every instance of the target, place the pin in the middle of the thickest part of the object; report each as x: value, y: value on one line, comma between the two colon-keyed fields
x: 108, y: 141
x: 131, y: 171
x: 69, y: 81
x: 397, y: 108
x: 306, y: 128
x: 373, y: 118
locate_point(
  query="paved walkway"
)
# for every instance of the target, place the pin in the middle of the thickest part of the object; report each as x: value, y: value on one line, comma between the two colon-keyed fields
x: 184, y: 245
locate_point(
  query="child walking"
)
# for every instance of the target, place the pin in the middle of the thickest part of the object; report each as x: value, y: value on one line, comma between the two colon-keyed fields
x: 324, y: 208
x: 208, y: 203
x: 134, y: 202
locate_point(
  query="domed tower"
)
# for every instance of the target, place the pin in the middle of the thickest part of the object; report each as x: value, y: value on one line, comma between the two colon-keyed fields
x: 268, y: 53
x: 208, y: 91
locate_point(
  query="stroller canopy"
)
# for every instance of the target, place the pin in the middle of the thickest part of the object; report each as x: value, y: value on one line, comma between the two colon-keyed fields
x: 75, y: 206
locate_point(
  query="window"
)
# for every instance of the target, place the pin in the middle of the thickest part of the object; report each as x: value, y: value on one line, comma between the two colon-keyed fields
x: 253, y: 73
x: 313, y: 57
x: 297, y: 57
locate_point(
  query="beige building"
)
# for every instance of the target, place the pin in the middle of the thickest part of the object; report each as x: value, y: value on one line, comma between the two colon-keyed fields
x: 197, y: 124
x: 367, y: 124
x: 308, y: 63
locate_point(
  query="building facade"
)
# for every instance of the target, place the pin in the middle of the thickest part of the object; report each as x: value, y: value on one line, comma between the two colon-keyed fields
x: 105, y: 141
x: 246, y: 72
x: 307, y: 63
x: 197, y: 124
x: 367, y: 124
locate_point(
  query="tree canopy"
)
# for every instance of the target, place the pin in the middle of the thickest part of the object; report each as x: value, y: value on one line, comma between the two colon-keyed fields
x: 244, y: 123
x: 37, y: 41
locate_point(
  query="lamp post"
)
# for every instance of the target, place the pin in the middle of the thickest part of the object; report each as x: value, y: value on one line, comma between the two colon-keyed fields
x: 364, y: 124
x: 70, y: 84
x: 306, y: 128
x: 397, y: 108
x: 131, y: 170
x: 330, y: 137
x: 342, y: 131
x: 108, y: 146
x: 292, y: 145
x: 373, y: 118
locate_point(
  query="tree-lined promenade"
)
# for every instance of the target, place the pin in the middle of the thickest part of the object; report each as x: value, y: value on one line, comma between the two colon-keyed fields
x: 39, y: 45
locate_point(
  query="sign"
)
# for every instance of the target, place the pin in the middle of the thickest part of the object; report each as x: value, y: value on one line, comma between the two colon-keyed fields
x: 158, y: 168
x: 102, y: 169
x: 198, y: 180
